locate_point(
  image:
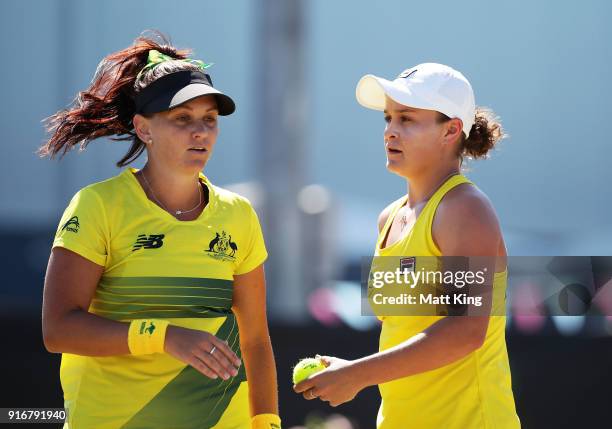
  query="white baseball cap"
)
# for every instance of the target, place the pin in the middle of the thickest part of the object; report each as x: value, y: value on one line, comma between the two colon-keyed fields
x: 428, y: 86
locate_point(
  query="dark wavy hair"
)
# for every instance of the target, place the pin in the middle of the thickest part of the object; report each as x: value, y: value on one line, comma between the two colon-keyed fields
x: 485, y: 134
x: 106, y: 107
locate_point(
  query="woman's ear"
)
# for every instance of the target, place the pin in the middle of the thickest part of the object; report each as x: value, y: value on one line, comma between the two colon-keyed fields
x: 454, y: 129
x: 142, y: 128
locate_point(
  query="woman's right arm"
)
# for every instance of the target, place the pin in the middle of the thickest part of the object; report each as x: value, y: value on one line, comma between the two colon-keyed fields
x: 68, y: 327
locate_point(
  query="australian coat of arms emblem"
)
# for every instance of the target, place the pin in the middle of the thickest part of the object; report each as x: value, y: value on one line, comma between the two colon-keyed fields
x: 222, y: 247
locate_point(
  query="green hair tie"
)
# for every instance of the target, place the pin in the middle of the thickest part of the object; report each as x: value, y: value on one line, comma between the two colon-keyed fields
x: 155, y: 58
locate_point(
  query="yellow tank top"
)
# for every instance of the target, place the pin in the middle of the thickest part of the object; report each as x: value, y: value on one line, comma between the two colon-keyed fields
x: 473, y: 392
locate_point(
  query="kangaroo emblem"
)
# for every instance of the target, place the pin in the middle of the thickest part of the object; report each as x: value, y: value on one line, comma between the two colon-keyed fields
x: 222, y: 247
x: 213, y: 243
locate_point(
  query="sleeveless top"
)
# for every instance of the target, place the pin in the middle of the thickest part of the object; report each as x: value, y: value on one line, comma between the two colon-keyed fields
x: 472, y: 392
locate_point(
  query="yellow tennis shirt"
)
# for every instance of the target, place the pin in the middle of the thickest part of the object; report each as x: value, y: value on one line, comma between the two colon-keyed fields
x: 156, y: 266
x: 472, y: 393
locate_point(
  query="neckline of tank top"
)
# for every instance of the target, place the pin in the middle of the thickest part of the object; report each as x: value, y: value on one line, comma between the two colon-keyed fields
x: 403, y: 203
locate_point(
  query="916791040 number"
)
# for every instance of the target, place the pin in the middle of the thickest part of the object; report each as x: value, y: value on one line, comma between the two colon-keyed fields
x: 32, y: 415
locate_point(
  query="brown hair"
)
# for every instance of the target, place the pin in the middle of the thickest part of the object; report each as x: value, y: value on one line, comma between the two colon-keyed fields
x: 485, y: 134
x: 106, y: 107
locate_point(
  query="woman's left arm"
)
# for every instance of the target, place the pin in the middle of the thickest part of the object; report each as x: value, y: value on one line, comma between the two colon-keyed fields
x: 465, y: 225
x: 249, y: 306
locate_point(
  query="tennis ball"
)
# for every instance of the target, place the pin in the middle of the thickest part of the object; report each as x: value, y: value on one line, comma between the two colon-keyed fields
x: 305, y: 368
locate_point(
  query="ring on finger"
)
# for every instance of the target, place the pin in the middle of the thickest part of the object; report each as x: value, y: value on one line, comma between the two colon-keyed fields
x: 212, y: 350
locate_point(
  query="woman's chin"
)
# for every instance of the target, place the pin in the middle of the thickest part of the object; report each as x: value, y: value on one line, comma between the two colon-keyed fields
x: 195, y: 164
x: 396, y: 168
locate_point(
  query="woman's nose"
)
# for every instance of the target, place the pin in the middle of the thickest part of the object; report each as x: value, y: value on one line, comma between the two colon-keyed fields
x: 200, y: 130
x: 390, y: 132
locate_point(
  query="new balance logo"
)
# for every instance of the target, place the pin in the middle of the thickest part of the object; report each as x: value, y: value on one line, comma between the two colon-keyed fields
x: 153, y: 241
x: 72, y: 225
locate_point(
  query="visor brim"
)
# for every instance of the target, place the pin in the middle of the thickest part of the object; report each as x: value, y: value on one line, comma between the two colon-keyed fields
x: 225, y: 104
x: 170, y: 100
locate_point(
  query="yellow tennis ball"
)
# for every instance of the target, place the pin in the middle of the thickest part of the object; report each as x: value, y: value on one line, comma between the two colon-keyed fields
x: 305, y: 368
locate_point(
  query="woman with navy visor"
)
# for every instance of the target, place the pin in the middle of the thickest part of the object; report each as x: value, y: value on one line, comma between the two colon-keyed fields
x: 155, y: 288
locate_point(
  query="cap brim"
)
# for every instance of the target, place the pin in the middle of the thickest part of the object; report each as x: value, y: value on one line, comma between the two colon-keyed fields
x: 371, y: 92
x: 225, y: 104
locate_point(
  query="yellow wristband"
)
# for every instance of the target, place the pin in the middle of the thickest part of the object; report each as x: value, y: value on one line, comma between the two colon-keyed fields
x: 147, y: 336
x: 266, y: 421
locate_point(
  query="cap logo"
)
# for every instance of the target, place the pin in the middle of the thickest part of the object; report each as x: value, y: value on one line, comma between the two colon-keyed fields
x: 407, y: 74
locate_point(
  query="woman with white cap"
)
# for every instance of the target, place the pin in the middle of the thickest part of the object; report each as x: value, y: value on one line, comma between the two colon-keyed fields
x: 155, y: 286
x: 434, y: 370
